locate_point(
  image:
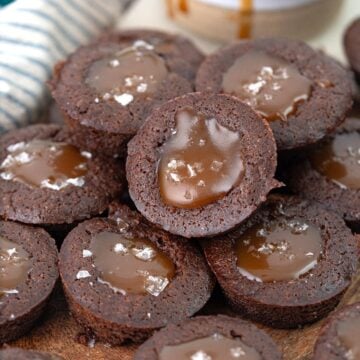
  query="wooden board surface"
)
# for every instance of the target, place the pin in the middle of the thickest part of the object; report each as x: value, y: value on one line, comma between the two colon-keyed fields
x: 58, y: 333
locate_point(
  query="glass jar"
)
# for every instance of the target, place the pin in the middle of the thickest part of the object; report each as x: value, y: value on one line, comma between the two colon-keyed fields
x: 239, y: 19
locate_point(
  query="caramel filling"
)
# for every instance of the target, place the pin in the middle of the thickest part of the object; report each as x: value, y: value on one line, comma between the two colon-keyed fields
x: 200, y: 163
x: 133, y: 72
x: 349, y: 334
x: 215, y: 347
x: 130, y: 265
x: 45, y: 164
x: 339, y: 160
x: 270, y: 85
x: 15, y: 265
x: 278, y: 250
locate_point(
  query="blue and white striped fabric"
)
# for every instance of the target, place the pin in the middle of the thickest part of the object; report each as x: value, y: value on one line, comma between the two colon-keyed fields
x: 34, y: 35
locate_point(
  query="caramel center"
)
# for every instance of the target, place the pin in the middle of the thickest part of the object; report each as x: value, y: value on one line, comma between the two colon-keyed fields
x: 270, y: 85
x: 45, y: 164
x: 277, y: 250
x: 215, y: 347
x: 130, y: 265
x: 349, y: 334
x: 15, y: 265
x: 339, y: 160
x: 200, y: 163
x: 133, y: 72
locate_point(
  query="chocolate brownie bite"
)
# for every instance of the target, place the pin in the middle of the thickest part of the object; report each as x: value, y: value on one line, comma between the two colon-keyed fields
x: 20, y: 354
x: 303, y: 93
x: 287, y: 265
x: 330, y: 172
x: 45, y: 180
x: 209, y: 337
x: 107, y: 89
x: 352, y: 46
x: 182, y: 55
x: 339, y: 338
x: 124, y: 278
x: 28, y: 273
x: 201, y: 164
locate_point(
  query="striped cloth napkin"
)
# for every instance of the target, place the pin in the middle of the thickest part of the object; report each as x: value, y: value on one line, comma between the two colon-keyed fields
x: 34, y: 35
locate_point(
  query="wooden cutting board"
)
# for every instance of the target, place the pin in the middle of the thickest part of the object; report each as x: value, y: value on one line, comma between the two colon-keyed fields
x: 57, y: 332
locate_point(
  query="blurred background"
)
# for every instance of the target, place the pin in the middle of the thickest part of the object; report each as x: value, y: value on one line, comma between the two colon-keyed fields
x: 211, y: 23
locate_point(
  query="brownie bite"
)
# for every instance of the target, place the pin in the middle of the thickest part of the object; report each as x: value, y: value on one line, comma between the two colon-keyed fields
x: 124, y: 278
x: 209, y: 337
x: 20, y: 354
x: 287, y: 265
x: 339, y: 337
x: 352, y: 46
x: 45, y: 180
x: 330, y: 171
x: 28, y: 273
x: 303, y: 93
x: 107, y: 89
x: 201, y: 164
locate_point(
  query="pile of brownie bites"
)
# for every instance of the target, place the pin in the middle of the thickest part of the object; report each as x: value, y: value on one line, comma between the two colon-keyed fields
x: 175, y: 172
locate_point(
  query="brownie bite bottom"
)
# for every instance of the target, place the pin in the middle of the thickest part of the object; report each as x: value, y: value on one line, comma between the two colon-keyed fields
x: 203, y: 189
x: 115, y: 310
x: 287, y: 265
x: 263, y: 72
x: 329, y: 173
x: 339, y: 337
x: 107, y: 89
x: 204, y: 336
x: 46, y: 180
x: 28, y: 275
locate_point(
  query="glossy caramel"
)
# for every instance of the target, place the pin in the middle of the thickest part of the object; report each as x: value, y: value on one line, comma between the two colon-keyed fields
x: 15, y: 264
x: 45, y: 164
x: 133, y: 72
x: 281, y: 249
x: 130, y: 265
x: 200, y: 163
x: 214, y: 347
x: 270, y: 85
x: 348, y: 331
x: 338, y: 160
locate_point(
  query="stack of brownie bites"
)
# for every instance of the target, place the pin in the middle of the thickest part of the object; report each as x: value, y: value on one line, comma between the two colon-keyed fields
x: 175, y: 172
